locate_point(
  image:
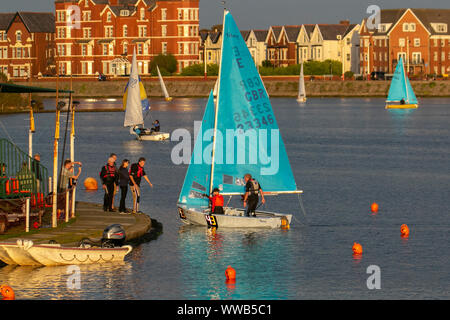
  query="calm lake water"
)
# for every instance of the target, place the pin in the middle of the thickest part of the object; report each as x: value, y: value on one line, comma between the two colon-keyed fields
x: 345, y: 154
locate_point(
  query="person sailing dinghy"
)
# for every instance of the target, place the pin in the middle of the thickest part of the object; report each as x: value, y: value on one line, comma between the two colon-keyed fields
x: 135, y: 101
x: 243, y: 107
x: 401, y: 94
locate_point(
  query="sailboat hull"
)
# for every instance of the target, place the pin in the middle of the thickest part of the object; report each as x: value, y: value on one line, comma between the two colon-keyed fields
x: 402, y: 106
x: 301, y: 100
x: 234, y: 218
x: 161, y: 136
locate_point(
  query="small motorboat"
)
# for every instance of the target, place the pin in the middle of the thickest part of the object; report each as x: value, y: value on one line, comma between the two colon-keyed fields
x: 26, y: 253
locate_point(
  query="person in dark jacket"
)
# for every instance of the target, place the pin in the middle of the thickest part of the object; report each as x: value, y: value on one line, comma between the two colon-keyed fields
x: 124, y: 180
x: 251, y: 197
x: 109, y: 177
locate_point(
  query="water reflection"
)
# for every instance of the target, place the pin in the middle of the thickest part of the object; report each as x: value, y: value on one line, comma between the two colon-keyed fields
x: 97, y: 280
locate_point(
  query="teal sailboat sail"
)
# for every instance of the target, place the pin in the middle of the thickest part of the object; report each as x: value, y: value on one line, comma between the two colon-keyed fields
x: 197, y: 178
x: 400, y: 88
x: 246, y: 135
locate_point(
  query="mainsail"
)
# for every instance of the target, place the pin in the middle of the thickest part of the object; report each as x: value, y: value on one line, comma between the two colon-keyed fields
x: 401, y: 87
x: 301, y: 85
x: 197, y: 177
x: 244, y: 116
x: 163, y: 86
x: 135, y: 98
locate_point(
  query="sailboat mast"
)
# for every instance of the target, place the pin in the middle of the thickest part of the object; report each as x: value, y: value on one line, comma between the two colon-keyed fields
x: 216, y: 109
x: 406, y: 85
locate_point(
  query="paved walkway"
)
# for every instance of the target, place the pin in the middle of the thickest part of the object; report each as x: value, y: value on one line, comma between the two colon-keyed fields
x: 90, y: 222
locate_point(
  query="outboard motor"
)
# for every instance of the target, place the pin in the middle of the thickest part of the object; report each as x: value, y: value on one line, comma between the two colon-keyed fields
x: 113, y: 236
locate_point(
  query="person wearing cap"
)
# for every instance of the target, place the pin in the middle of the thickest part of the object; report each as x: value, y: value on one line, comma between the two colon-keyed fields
x: 216, y: 201
x: 35, y: 168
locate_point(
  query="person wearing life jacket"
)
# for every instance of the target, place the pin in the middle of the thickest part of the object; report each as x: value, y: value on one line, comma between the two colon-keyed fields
x: 109, y: 177
x: 216, y: 201
x: 251, y: 197
x: 136, y: 174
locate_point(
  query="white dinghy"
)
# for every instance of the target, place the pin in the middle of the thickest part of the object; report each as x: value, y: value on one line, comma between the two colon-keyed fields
x: 26, y: 253
x: 135, y: 100
x: 243, y: 109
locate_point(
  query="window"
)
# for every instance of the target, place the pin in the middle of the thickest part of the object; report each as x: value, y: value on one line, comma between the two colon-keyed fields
x: 164, y: 47
x: 416, y: 57
x: 441, y: 27
x: 86, y: 3
x: 108, y: 32
x: 163, y: 30
x: 442, y: 56
x: 435, y: 56
x: 4, y: 53
x: 401, y: 42
x: 108, y: 17
x: 125, y: 48
x: 412, y: 27
x: 87, y: 33
x: 124, y: 13
x: 18, y: 36
x: 139, y: 48
x: 83, y: 50
x: 86, y: 16
x: 163, y: 14
x: 105, y: 49
x: 416, y: 42
x: 142, y: 31
x: 125, y: 31
x: 348, y: 56
x: 405, y: 27
x: 142, y: 15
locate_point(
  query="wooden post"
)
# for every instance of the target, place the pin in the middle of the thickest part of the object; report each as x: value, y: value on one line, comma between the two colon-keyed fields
x: 27, y: 215
x: 55, y: 157
x: 67, y: 205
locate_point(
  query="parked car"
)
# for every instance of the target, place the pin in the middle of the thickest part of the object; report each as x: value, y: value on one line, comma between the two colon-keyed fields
x: 102, y: 77
x: 377, y: 75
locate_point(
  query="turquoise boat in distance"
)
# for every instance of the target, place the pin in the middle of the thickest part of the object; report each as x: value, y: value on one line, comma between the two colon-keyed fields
x: 401, y: 94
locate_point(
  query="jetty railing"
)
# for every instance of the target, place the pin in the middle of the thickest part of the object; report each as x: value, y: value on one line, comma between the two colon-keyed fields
x: 20, y: 175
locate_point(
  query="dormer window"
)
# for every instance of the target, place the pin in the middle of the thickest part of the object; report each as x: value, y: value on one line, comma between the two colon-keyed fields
x: 124, y: 13
x: 441, y: 27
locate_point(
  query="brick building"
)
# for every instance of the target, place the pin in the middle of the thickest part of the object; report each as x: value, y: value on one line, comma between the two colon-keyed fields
x: 26, y: 43
x: 420, y: 36
x: 99, y: 36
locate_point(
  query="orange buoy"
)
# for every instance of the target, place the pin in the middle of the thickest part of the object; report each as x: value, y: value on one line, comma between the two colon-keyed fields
x: 90, y: 184
x: 357, y: 248
x: 230, y: 273
x: 404, y: 230
x: 374, y: 207
x: 7, y: 292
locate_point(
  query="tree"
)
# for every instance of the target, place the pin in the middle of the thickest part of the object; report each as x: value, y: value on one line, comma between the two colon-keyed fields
x: 167, y: 64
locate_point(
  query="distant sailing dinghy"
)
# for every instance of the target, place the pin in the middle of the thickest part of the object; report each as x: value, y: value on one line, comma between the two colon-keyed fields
x: 301, y: 87
x: 401, y: 94
x: 163, y: 86
x: 243, y: 109
x: 135, y: 100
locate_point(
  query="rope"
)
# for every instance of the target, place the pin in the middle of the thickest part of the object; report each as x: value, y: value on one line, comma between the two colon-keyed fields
x: 6, y: 131
x: 300, y: 201
x: 65, y: 137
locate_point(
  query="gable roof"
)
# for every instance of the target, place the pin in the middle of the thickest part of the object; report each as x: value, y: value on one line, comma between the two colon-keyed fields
x: 261, y: 35
x: 331, y: 31
x: 5, y: 20
x: 245, y: 34
x: 36, y: 21
x: 292, y: 32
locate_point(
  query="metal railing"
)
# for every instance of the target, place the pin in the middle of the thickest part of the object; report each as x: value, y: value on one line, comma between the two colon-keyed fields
x: 22, y: 176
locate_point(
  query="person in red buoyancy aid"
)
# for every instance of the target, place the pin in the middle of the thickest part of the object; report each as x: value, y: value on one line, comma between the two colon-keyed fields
x: 109, y: 177
x: 216, y: 202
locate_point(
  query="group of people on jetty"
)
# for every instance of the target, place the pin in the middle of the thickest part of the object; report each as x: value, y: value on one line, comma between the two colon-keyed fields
x: 125, y: 176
